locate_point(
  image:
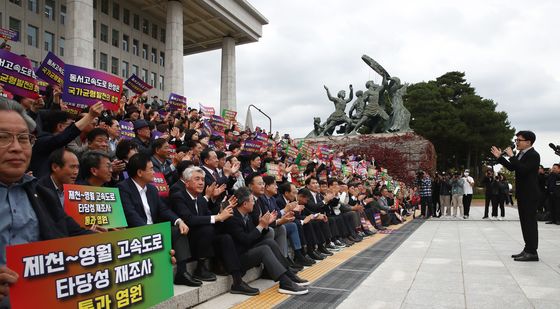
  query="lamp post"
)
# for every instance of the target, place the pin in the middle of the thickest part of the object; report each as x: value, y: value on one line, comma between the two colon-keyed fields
x: 269, y: 119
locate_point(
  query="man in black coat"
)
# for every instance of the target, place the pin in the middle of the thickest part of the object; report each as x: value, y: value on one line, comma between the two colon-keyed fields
x: 203, y: 219
x: 142, y: 205
x: 253, y: 248
x: 526, y: 166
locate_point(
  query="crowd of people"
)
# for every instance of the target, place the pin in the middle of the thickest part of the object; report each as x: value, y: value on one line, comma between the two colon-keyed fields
x: 229, y: 210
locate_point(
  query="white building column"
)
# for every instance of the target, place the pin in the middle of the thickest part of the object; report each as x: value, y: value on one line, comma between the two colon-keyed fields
x: 227, y: 90
x: 174, y: 48
x: 79, y: 33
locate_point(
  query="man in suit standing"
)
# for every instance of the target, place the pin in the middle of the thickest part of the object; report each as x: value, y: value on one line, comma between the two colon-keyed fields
x: 142, y: 206
x: 526, y: 166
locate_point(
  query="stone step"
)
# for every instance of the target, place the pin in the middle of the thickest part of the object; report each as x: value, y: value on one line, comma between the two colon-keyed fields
x: 186, y: 296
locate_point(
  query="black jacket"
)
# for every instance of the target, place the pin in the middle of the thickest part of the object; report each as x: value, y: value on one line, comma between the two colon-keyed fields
x: 46, y: 143
x: 134, y: 209
x: 244, y: 236
x: 53, y: 221
x: 526, y: 174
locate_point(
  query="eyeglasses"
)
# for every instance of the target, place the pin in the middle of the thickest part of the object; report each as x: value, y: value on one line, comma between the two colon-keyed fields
x: 520, y: 140
x: 24, y: 139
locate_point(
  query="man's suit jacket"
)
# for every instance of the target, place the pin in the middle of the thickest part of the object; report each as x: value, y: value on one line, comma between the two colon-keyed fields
x: 184, y: 206
x: 46, y: 182
x: 313, y: 207
x: 244, y: 236
x: 526, y: 174
x: 53, y: 221
x: 134, y: 209
x: 46, y: 143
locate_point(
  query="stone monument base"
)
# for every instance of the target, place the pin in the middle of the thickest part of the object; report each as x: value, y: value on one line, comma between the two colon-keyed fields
x: 402, y: 154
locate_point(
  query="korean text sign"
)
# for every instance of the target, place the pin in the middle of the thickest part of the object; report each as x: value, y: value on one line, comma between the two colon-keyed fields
x: 177, y: 102
x: 128, y: 268
x: 51, y: 70
x: 137, y: 85
x: 89, y: 205
x: 17, y: 75
x: 84, y: 87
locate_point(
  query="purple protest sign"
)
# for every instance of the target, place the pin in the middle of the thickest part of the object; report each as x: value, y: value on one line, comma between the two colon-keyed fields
x: 137, y: 85
x: 218, y: 123
x: 251, y: 146
x: 127, y: 129
x: 42, y: 85
x: 84, y: 87
x: 9, y: 34
x: 51, y: 70
x: 177, y: 102
x: 17, y: 75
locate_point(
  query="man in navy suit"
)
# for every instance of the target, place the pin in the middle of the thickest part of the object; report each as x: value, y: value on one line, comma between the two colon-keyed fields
x: 142, y: 206
x: 526, y: 166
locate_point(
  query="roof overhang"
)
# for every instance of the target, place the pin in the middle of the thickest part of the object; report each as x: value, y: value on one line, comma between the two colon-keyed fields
x: 207, y: 22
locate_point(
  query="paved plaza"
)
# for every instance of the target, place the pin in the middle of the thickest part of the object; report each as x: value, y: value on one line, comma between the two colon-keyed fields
x: 435, y: 263
x: 465, y: 264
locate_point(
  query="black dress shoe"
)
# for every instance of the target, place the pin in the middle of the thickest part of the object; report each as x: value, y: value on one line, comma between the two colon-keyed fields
x: 513, y: 256
x: 314, y: 255
x: 293, y: 270
x: 527, y: 257
x: 244, y: 288
x: 305, y: 261
x: 203, y: 274
x: 186, y: 279
x: 324, y: 251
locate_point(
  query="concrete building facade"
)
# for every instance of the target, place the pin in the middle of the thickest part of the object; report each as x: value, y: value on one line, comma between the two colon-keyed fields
x: 148, y: 38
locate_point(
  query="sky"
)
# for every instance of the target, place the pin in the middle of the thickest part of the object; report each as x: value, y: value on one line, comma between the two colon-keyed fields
x: 508, y: 50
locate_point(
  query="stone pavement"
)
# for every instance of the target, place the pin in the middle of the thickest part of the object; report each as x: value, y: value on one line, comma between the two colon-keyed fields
x: 465, y: 264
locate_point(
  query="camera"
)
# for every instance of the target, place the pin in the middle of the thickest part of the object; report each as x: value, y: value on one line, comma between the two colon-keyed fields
x: 556, y: 148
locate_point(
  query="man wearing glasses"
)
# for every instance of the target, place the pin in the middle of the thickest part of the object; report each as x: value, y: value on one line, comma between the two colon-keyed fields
x: 526, y: 166
x: 28, y: 212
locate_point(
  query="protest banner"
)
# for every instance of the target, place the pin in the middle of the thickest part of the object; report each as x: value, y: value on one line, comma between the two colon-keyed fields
x: 51, y: 70
x: 17, y: 75
x: 127, y: 268
x: 137, y: 85
x: 207, y: 110
x: 218, y: 124
x: 127, y: 129
x: 9, y: 35
x: 177, y: 102
x: 229, y: 115
x: 42, y: 85
x: 291, y: 151
x: 84, y: 87
x: 251, y: 146
x: 89, y: 205
x: 161, y: 184
x: 274, y: 171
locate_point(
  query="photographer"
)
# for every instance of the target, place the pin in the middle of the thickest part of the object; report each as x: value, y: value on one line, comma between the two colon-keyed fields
x: 457, y: 194
x: 553, y: 191
x: 490, y: 194
x: 425, y: 189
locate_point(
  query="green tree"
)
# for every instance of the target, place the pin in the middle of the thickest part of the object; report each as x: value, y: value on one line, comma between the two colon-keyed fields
x: 461, y: 124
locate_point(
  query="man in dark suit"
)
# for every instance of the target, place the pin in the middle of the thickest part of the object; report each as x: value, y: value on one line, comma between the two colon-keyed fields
x: 142, y: 205
x: 526, y: 166
x: 189, y: 203
x: 253, y: 248
x: 64, y: 167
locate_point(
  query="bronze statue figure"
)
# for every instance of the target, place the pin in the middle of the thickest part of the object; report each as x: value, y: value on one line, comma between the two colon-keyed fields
x: 339, y: 115
x: 400, y: 119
